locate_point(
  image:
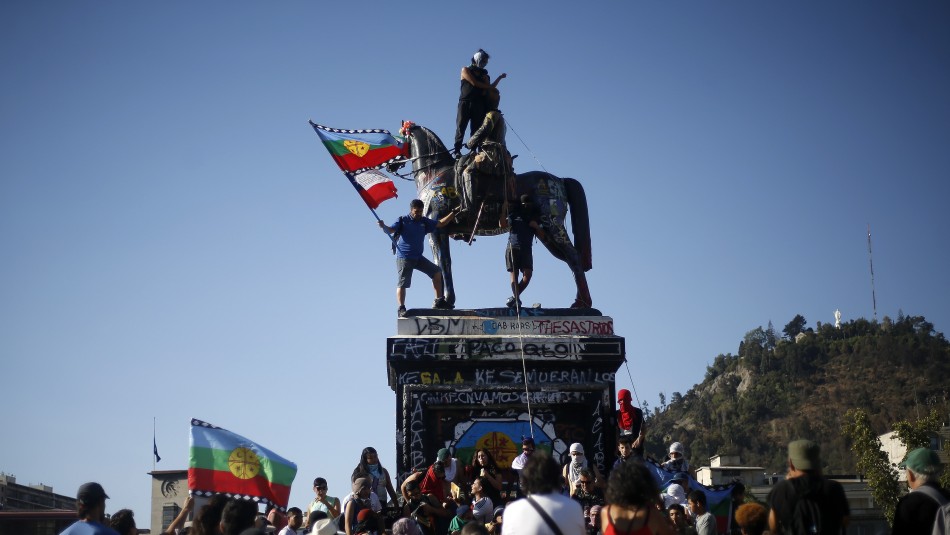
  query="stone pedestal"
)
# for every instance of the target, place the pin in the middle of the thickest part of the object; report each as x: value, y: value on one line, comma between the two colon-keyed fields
x: 459, y: 378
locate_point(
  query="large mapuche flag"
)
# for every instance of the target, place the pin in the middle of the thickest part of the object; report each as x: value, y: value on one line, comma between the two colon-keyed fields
x: 718, y: 498
x: 222, y: 462
x: 360, y: 153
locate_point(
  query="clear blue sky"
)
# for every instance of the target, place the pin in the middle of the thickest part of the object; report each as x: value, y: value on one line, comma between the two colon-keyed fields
x: 177, y: 243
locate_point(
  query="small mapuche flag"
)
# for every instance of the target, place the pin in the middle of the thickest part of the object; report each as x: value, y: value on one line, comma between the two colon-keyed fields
x: 222, y: 462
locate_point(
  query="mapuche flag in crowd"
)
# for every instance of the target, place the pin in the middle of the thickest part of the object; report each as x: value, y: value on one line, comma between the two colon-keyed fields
x: 222, y: 462
x: 360, y: 153
x: 718, y: 498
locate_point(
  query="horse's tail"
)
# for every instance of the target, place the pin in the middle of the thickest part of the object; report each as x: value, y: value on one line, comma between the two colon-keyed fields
x: 580, y: 220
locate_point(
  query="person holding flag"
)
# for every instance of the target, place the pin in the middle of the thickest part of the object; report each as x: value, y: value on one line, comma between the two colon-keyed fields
x: 411, y: 231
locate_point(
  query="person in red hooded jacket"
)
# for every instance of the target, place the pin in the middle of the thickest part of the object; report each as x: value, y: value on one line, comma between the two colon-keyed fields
x: 630, y: 422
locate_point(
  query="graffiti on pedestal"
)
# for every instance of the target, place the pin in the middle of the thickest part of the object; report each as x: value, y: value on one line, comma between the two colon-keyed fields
x: 467, y: 326
x: 497, y: 419
x: 501, y: 376
x: 488, y: 348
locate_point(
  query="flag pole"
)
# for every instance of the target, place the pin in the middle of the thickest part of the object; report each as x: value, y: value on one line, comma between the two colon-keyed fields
x: 153, y: 443
x: 373, y: 210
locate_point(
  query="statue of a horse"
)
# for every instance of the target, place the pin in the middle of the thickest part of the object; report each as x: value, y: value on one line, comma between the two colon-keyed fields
x: 433, y: 169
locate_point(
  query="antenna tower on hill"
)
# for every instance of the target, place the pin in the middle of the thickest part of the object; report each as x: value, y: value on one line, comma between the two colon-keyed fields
x: 871, y: 263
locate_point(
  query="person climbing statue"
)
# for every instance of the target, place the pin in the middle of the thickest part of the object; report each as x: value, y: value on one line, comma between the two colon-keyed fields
x: 472, y: 106
x: 412, y: 230
x: 524, y: 223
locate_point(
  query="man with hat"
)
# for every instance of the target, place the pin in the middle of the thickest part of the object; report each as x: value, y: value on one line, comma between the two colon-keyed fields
x: 917, y: 510
x: 806, y: 498
x: 91, y: 508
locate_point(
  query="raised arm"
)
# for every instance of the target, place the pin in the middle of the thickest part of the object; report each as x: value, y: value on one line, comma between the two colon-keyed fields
x: 481, y: 84
x: 182, y: 516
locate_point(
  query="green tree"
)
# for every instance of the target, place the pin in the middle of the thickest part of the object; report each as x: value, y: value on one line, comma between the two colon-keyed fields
x: 873, y: 462
x: 917, y: 434
x: 770, y: 336
x: 794, y: 327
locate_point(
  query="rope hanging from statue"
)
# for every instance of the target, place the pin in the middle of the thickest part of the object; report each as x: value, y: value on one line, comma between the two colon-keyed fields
x: 524, y: 364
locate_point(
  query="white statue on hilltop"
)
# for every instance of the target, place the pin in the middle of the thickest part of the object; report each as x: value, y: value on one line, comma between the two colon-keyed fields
x: 837, y: 319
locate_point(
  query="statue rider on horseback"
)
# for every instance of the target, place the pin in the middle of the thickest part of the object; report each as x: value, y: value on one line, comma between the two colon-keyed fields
x: 487, y: 173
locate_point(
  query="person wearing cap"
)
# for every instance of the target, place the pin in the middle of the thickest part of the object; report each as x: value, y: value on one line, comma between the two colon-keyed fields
x: 323, y: 502
x: 463, y: 515
x: 805, y: 482
x: 676, y: 458
x: 917, y: 510
x: 572, y: 471
x: 495, y: 527
x: 91, y: 509
x: 472, y: 107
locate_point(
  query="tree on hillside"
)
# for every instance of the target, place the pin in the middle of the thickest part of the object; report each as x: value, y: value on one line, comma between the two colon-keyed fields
x: 794, y: 327
x: 770, y: 336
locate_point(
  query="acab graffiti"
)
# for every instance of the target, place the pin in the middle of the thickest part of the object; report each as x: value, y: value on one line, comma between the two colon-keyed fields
x: 440, y: 326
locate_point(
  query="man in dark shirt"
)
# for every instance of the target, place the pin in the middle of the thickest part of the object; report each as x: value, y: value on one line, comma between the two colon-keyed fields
x: 917, y: 510
x: 805, y: 482
x: 472, y: 106
x: 523, y: 220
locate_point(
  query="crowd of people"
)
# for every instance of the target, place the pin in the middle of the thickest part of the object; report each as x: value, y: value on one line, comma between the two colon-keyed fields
x: 452, y: 498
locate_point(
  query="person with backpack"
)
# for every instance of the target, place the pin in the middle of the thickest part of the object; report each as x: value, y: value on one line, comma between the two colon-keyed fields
x: 412, y: 230
x: 806, y: 502
x: 917, y: 511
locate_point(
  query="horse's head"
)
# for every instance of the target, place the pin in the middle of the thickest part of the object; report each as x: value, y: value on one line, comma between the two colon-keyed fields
x: 426, y: 151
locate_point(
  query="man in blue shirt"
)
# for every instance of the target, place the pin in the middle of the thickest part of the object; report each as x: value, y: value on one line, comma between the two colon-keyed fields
x: 412, y: 230
x: 91, y: 507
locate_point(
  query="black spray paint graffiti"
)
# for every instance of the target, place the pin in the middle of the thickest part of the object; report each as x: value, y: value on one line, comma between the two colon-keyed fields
x: 496, y: 376
x: 496, y: 397
x: 535, y: 377
x: 416, y: 428
x: 500, y: 348
x: 598, y: 431
x: 435, y: 326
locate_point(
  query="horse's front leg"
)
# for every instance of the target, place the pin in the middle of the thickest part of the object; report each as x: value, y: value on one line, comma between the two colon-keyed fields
x: 442, y: 257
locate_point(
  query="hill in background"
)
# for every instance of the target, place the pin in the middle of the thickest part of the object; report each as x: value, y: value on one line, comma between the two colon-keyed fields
x: 800, y: 385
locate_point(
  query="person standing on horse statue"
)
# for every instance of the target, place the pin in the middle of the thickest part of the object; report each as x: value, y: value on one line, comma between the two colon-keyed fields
x: 472, y: 104
x: 411, y: 231
x: 524, y: 223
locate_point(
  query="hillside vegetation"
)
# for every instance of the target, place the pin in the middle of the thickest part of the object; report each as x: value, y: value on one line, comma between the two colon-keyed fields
x: 800, y: 385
